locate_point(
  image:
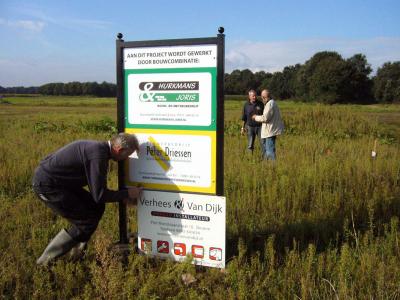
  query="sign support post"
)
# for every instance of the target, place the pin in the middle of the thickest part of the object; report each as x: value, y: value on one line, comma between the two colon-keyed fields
x: 220, y: 110
x: 123, y: 230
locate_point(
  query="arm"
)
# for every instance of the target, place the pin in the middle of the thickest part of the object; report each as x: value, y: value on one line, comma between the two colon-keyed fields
x: 96, y: 174
x: 244, y: 115
x: 244, y: 119
x: 267, y: 114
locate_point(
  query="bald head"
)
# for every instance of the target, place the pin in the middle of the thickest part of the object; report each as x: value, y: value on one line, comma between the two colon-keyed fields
x: 265, y: 95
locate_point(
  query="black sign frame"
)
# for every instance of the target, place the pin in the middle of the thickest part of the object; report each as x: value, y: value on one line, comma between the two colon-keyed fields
x: 219, y: 41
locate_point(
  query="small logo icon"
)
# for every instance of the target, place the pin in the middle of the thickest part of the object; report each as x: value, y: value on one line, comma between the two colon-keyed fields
x: 147, y: 96
x: 146, y: 245
x: 162, y: 247
x: 180, y: 249
x: 197, y: 251
x: 215, y: 253
x: 179, y: 204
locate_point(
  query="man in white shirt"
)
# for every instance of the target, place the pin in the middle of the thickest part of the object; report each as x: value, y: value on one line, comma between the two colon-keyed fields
x: 272, y: 125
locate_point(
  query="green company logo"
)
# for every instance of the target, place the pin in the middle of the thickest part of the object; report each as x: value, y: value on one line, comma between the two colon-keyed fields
x: 169, y: 91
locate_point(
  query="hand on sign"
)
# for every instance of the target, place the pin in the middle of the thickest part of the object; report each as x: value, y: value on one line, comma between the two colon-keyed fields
x: 134, y: 193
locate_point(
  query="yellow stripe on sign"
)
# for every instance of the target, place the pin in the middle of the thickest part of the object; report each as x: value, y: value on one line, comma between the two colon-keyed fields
x: 170, y: 131
x: 211, y: 189
x: 164, y: 165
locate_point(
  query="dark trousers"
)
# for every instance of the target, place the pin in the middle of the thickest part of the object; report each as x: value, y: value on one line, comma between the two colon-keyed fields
x: 252, y: 133
x: 75, y: 205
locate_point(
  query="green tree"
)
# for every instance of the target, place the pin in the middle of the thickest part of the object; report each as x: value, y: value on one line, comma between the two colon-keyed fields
x: 275, y: 84
x: 387, y: 82
x: 281, y: 84
x: 360, y: 83
x: 306, y: 87
x: 259, y: 77
x: 327, y: 77
x: 329, y: 81
x: 231, y: 82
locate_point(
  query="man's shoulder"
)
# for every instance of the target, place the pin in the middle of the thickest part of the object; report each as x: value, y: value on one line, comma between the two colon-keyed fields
x: 271, y: 102
x: 88, y: 144
x: 101, y: 145
x: 92, y: 148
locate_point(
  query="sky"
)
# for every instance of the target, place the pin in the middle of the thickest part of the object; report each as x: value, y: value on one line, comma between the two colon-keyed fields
x: 62, y: 41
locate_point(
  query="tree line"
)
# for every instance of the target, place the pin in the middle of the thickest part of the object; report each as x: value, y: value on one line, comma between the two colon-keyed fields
x: 74, y: 88
x: 19, y: 90
x: 326, y: 77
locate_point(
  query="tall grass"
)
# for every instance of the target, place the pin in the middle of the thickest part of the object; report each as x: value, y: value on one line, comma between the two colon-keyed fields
x: 320, y: 223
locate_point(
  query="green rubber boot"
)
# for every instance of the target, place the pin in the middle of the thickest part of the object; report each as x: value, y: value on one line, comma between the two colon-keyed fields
x: 58, y: 246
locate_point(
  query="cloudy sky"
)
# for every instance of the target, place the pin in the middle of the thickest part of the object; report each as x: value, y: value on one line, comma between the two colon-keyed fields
x: 61, y: 41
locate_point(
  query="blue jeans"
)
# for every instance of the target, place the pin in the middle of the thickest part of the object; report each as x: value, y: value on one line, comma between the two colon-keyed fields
x: 252, y: 133
x: 269, y: 147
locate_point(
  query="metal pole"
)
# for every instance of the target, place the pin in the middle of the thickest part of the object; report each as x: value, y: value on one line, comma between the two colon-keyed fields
x: 123, y: 231
x: 220, y: 110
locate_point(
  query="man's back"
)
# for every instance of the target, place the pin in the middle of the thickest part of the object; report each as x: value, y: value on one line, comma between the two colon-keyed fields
x: 70, y: 166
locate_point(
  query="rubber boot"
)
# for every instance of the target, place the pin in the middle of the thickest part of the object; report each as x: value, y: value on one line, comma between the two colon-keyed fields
x: 58, y: 246
x: 78, y: 251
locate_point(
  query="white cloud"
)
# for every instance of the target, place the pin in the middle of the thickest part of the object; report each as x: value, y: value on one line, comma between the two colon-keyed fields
x: 27, y: 25
x: 67, y: 22
x: 274, y: 56
x: 36, y: 26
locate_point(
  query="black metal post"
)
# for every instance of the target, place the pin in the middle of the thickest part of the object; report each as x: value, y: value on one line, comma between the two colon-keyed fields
x: 123, y: 228
x: 220, y: 110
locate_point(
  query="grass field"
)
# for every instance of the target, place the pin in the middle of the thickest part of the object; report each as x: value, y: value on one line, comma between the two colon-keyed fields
x: 321, y: 223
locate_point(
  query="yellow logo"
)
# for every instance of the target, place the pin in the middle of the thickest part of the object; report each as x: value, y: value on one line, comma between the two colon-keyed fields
x: 159, y: 155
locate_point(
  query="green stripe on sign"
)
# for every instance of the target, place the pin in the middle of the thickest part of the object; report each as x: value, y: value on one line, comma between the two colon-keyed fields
x: 169, y: 97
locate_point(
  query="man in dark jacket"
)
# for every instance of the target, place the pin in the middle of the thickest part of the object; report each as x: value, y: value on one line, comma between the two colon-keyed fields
x: 253, y: 128
x: 59, y: 182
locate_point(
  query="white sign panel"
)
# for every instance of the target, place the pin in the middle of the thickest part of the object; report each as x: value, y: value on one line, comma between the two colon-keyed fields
x: 174, y: 225
x: 173, y: 161
x: 198, y: 56
x: 170, y: 99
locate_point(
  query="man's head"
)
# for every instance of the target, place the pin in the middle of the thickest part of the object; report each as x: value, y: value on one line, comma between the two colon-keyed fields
x: 265, y: 95
x: 123, y: 145
x: 252, y: 96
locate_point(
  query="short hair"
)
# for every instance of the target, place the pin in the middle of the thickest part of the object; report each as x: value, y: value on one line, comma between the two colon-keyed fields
x: 125, y: 141
x: 252, y: 91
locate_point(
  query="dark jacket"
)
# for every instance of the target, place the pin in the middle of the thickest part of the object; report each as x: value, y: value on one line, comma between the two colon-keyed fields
x: 250, y: 109
x: 76, y: 165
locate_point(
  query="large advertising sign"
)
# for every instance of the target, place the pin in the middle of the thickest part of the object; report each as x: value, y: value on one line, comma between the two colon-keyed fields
x: 177, y: 225
x: 171, y: 104
x: 170, y: 95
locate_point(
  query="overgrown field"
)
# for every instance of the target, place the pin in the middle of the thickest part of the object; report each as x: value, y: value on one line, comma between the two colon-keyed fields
x: 320, y: 223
